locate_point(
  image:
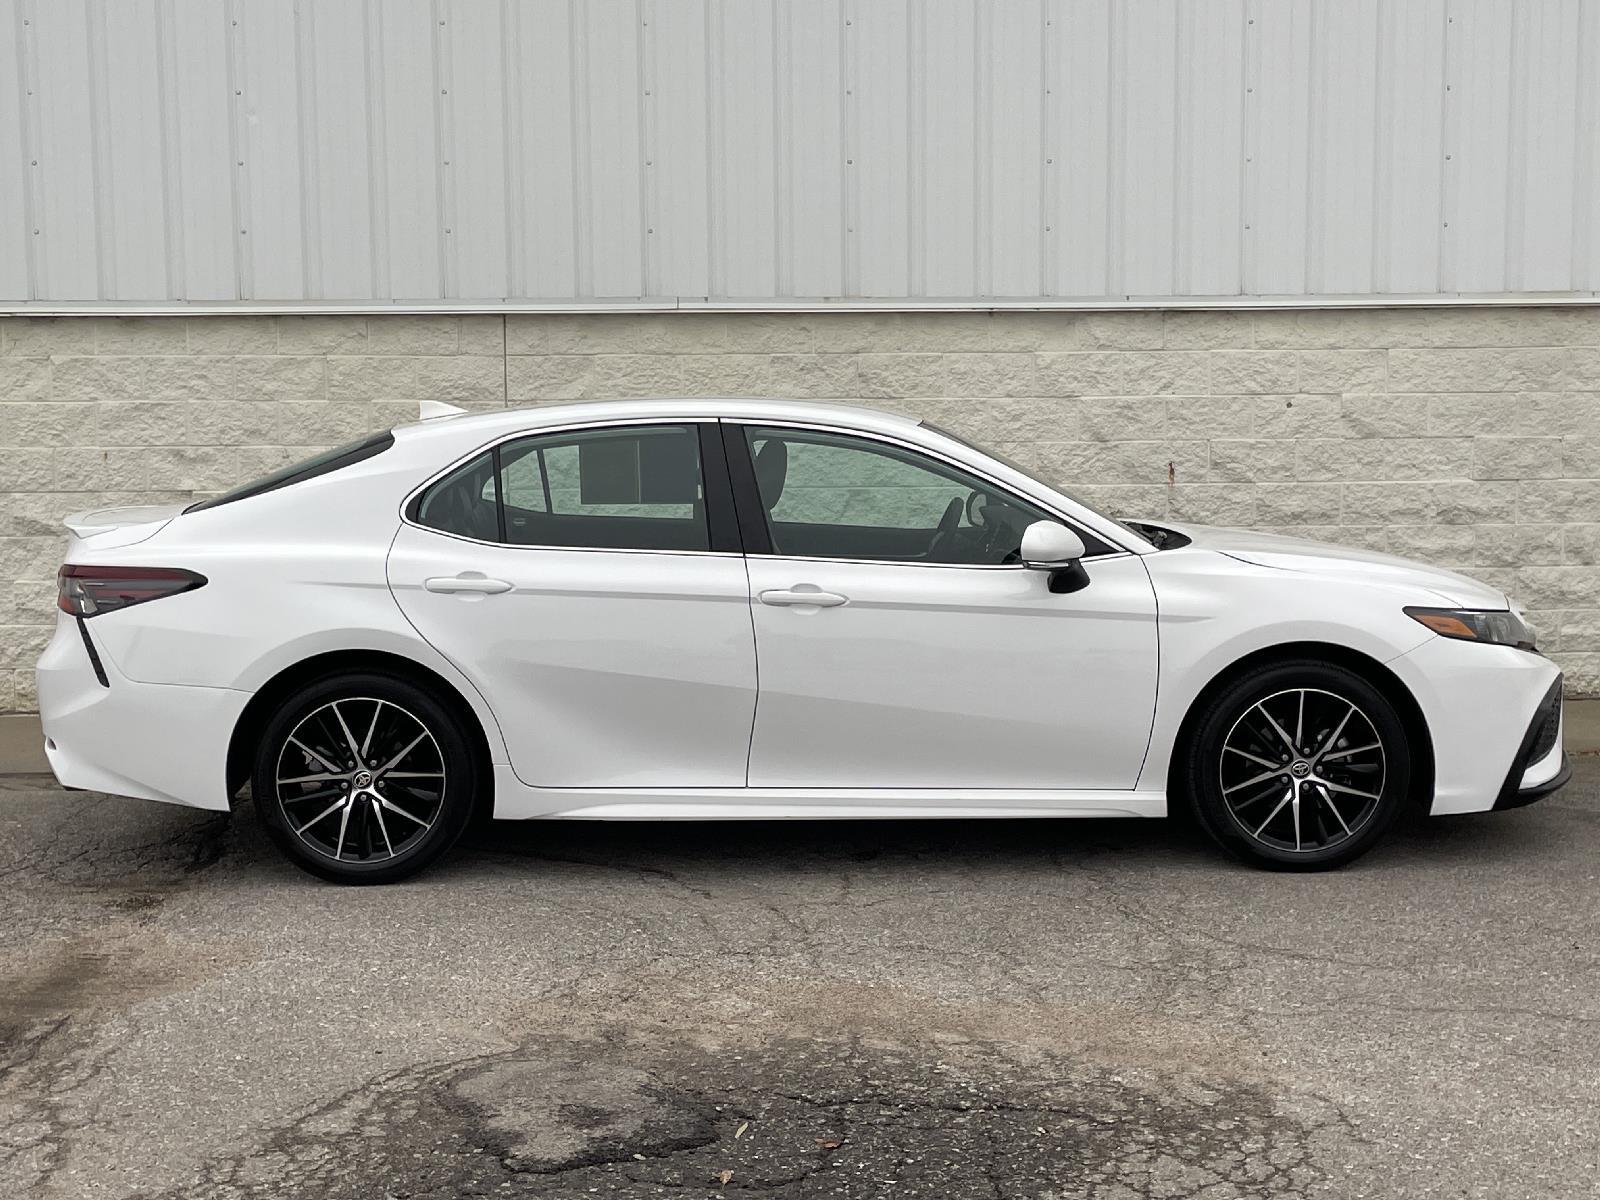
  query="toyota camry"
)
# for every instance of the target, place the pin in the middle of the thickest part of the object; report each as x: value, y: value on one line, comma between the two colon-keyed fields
x: 685, y: 609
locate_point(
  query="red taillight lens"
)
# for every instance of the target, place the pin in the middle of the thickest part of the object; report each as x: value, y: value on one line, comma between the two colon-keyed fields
x: 89, y: 591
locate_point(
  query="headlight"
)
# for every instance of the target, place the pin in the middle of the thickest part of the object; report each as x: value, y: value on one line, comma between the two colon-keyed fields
x: 1497, y: 627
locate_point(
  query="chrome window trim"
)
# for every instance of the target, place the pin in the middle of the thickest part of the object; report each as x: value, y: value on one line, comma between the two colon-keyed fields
x: 1117, y: 550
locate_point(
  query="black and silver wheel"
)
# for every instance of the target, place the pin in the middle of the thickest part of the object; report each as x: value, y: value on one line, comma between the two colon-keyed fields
x: 364, y: 779
x: 1299, y: 765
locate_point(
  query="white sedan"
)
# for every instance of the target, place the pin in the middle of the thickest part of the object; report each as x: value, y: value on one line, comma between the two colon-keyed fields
x: 762, y: 609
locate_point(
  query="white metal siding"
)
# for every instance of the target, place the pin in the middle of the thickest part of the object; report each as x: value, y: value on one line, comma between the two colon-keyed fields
x: 494, y: 152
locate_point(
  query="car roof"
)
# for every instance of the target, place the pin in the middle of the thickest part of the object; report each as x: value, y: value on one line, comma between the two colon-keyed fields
x: 509, y: 420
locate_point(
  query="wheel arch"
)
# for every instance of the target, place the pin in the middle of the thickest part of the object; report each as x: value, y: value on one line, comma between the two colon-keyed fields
x: 1393, y: 689
x: 247, y: 730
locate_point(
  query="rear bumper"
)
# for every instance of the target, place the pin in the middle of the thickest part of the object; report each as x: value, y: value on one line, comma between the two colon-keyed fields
x: 1541, y: 765
x: 152, y: 741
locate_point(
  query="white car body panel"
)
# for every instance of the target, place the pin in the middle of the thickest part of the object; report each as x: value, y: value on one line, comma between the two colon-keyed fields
x: 953, y: 677
x: 624, y: 685
x: 613, y: 669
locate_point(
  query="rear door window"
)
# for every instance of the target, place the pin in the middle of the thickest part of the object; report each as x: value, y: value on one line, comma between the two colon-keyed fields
x: 626, y: 488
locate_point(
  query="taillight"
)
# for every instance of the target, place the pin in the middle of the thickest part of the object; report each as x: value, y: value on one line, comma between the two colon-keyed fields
x: 88, y: 591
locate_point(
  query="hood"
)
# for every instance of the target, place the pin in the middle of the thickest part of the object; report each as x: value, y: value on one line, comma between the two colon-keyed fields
x: 1302, y: 554
x: 108, y: 528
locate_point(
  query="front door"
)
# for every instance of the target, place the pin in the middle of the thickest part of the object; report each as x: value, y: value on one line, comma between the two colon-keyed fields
x: 593, y: 591
x: 902, y: 645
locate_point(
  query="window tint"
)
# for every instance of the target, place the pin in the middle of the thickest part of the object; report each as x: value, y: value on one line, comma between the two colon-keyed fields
x: 463, y: 502
x: 633, y: 488
x: 319, y: 464
x: 833, y: 496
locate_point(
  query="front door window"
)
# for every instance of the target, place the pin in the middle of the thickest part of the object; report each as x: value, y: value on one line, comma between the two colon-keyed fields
x: 828, y: 495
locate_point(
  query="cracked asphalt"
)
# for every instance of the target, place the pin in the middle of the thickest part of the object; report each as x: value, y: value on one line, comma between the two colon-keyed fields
x: 952, y: 1010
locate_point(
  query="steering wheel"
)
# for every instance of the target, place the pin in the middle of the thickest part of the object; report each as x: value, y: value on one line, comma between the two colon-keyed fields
x: 945, y: 534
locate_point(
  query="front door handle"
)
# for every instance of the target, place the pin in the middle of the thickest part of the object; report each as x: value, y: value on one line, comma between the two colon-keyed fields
x: 793, y: 597
x: 466, y: 583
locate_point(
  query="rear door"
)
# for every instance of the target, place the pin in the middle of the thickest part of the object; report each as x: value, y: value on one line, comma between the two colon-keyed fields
x: 903, y: 645
x: 590, y: 583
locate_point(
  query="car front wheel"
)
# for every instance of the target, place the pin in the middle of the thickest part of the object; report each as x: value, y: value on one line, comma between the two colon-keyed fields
x: 364, y: 778
x: 1298, y: 766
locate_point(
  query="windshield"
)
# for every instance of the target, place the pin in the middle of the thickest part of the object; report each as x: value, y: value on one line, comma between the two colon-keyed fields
x: 317, y: 464
x: 1022, y: 470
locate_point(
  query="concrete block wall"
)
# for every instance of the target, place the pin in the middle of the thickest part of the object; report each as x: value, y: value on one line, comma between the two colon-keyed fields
x: 1464, y: 436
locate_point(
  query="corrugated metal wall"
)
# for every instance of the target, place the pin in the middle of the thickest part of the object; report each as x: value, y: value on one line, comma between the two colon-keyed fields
x: 564, y: 151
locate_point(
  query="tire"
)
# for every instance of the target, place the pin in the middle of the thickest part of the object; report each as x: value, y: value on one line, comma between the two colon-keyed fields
x: 373, y: 817
x: 1307, y: 807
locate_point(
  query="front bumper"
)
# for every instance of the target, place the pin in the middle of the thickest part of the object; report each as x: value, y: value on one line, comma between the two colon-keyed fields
x: 153, y: 741
x: 1541, y: 765
x: 1480, y: 703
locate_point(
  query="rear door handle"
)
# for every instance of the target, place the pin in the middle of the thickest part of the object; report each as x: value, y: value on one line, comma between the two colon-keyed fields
x: 466, y: 583
x: 793, y: 597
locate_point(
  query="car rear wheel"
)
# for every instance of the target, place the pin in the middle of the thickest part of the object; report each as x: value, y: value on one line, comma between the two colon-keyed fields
x: 364, y: 779
x: 1298, y: 766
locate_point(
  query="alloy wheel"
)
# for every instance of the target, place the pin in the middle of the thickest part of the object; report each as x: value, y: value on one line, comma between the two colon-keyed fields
x: 1302, y: 770
x: 360, y: 780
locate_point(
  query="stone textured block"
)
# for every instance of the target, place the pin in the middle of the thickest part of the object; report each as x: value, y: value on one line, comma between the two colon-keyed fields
x: 232, y: 335
x: 140, y: 335
x: 1213, y: 504
x: 325, y: 335
x: 236, y: 423
x: 901, y: 374
x: 1254, y: 371
x: 457, y: 378
x: 89, y: 379
x: 549, y: 377
x: 1122, y: 330
x: 1478, y: 370
x: 48, y: 424
x: 482, y: 335
x: 803, y: 376
x: 1344, y: 370
x: 1299, y: 503
x: 414, y: 335
x: 1385, y: 458
x: 364, y: 377
x: 1082, y: 374
x: 1130, y: 418
x: 1580, y: 544
x: 1206, y: 331
x: 30, y: 337
x: 1050, y: 331
x: 990, y: 375
x: 1517, y: 545
x: 24, y: 379
x: 144, y: 423
x: 1251, y: 460
x: 1580, y: 459
x: 1517, y: 458
x: 1288, y: 329
x: 200, y: 379
x: 1383, y: 416
x: 30, y: 469
x: 287, y: 379
x: 1558, y: 587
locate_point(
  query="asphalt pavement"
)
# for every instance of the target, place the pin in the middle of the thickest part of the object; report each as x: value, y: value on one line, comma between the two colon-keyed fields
x: 943, y: 1009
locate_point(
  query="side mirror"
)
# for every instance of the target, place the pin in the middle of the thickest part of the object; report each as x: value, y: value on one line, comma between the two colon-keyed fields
x: 1050, y: 546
